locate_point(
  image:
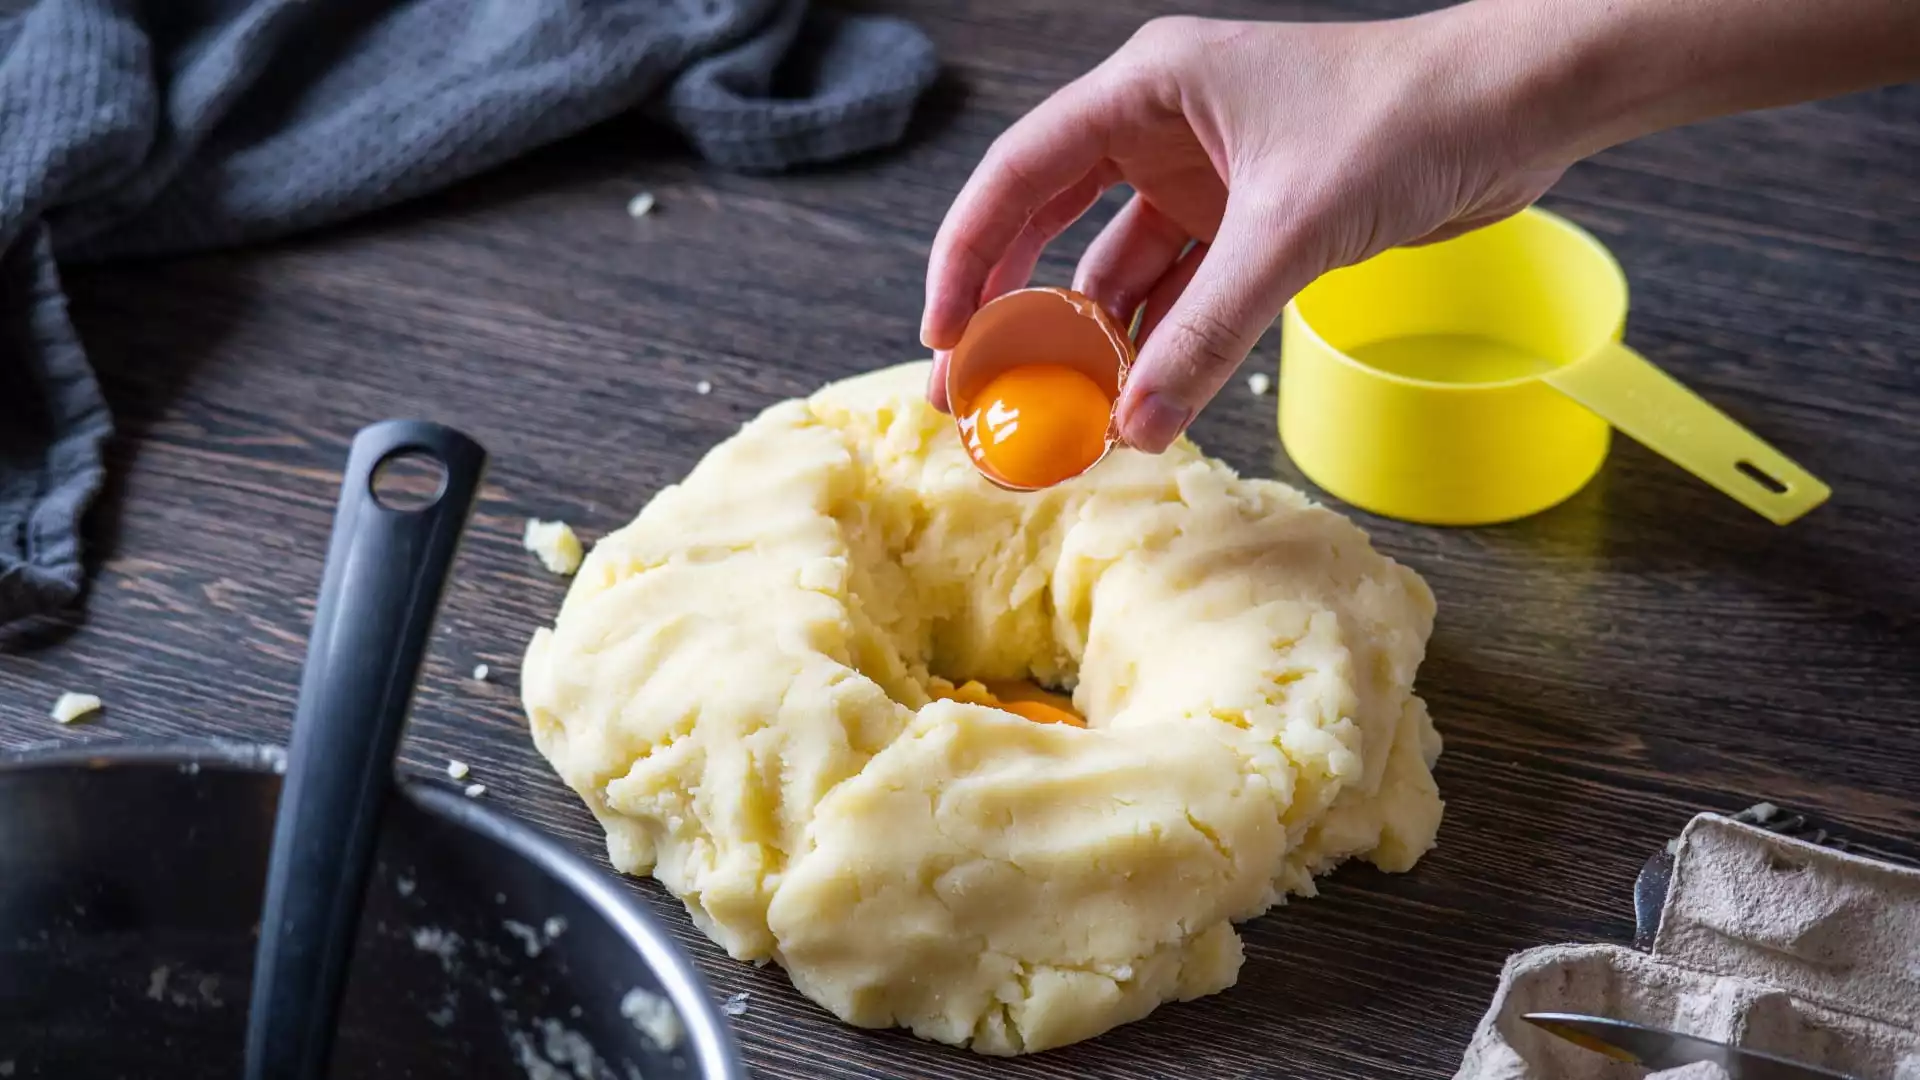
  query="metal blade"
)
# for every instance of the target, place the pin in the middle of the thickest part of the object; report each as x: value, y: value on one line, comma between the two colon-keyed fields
x: 1656, y: 1048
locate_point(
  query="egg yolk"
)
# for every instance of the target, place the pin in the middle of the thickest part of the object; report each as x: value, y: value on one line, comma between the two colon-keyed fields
x: 1022, y: 699
x: 1041, y: 713
x: 1038, y: 425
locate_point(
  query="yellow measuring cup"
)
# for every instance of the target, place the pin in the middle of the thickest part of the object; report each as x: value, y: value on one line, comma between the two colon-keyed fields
x: 1477, y: 380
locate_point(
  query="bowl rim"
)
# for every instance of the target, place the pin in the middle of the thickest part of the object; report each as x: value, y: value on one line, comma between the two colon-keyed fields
x: 715, y: 1052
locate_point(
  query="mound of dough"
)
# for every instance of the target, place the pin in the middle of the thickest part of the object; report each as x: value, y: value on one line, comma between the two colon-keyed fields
x: 738, y: 687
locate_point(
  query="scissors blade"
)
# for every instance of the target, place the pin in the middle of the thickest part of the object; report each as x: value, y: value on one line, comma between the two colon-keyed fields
x: 1657, y: 1048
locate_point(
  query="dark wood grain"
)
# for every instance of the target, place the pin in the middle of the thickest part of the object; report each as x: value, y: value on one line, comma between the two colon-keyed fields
x: 1600, y: 672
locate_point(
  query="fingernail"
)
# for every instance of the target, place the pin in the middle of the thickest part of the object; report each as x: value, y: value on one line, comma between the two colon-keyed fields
x: 929, y: 320
x: 1155, y: 421
x: 937, y: 383
x: 937, y: 320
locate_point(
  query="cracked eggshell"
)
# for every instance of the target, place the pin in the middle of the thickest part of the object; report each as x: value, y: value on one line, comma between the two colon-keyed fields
x: 1036, y: 326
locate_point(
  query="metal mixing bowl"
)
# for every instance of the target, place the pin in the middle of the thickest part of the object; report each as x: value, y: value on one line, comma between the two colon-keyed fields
x: 131, y: 879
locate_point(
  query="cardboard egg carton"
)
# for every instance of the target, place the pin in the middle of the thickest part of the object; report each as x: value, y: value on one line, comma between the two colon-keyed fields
x: 1762, y: 940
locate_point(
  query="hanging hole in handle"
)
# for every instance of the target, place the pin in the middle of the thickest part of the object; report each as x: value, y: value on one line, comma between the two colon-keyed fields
x: 1760, y: 476
x: 408, y: 481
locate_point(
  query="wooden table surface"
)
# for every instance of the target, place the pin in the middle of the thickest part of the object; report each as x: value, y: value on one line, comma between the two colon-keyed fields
x: 1600, y: 672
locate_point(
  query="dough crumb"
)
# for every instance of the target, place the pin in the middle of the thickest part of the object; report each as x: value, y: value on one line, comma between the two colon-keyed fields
x: 404, y: 886
x: 474, y: 791
x: 528, y: 936
x: 703, y: 387
x: 736, y: 1005
x: 1259, y: 382
x: 555, y: 544
x: 531, y: 1063
x: 443, y: 944
x: 536, y: 940
x: 457, y: 770
x: 571, y: 1049
x: 640, y: 205
x: 73, y: 707
x: 480, y: 672
x: 6, y: 1068
x: 653, y: 1016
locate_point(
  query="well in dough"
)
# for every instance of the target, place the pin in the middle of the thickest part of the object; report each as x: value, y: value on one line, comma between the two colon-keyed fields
x: 737, y: 686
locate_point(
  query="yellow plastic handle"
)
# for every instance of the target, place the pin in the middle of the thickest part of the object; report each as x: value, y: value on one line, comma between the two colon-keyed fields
x: 1656, y: 410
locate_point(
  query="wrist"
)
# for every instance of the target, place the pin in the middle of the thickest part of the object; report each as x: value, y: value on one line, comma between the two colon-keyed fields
x: 1560, y: 81
x: 1573, y: 77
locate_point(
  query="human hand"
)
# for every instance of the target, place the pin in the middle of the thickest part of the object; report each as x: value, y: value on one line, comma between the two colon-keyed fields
x: 1281, y: 150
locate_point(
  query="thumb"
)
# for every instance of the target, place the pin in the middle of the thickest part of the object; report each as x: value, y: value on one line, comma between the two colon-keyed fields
x: 1245, y: 277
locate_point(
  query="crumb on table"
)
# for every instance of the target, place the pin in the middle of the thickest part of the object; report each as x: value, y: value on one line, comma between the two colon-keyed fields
x: 555, y: 544
x: 73, y: 707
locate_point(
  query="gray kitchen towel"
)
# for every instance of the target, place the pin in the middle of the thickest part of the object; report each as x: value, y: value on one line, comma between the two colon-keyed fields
x: 146, y: 127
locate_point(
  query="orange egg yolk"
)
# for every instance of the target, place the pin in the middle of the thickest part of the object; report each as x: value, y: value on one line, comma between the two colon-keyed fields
x: 1022, y: 699
x: 1041, y: 713
x: 1035, y: 426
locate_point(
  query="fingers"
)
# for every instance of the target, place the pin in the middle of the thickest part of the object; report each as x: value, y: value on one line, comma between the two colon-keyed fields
x: 1238, y: 286
x: 937, y: 381
x: 1159, y: 301
x: 1135, y: 251
x: 1459, y: 227
x: 1046, y: 152
x: 1015, y: 268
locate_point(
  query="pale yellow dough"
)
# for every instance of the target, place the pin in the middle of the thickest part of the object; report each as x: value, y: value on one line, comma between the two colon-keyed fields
x: 554, y: 544
x: 72, y: 708
x: 737, y: 686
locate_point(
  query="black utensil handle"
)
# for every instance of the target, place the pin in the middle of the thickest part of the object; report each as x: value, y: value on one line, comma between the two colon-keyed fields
x: 386, y: 569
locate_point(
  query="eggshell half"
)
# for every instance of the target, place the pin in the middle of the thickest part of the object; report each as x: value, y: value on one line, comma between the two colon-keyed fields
x: 1037, y: 326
